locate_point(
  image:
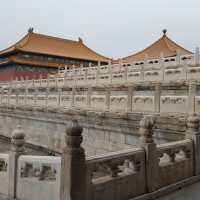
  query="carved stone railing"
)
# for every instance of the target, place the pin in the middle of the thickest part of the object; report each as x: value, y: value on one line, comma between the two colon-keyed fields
x: 178, y: 167
x: 133, y: 172
x: 119, y: 185
x: 181, y: 67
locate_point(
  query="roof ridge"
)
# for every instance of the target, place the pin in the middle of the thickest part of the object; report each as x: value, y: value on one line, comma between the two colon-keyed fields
x: 143, y: 49
x: 14, y: 45
x: 178, y: 45
x: 165, y: 39
x: 53, y: 37
x: 96, y: 52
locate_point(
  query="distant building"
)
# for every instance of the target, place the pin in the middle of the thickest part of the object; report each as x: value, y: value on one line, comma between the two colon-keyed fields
x: 164, y: 45
x: 37, y: 54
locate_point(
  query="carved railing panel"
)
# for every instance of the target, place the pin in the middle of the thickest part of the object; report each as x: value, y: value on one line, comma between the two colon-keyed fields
x: 60, y: 81
x: 65, y: 100
x: 152, y: 76
x: 5, y: 98
x: 36, y: 83
x: 80, y: 101
x: 118, y: 103
x: 177, y: 168
x: 40, y: 100
x: 173, y: 74
x: 30, y: 100
x: 21, y: 99
x: 174, y: 104
x: 134, y: 76
x: 30, y: 83
x: 34, y: 177
x: 44, y: 83
x: 12, y: 99
x: 98, y: 101
x: 91, y: 79
x: 104, y: 78
x: 143, y: 103
x: 3, y: 173
x: 52, y: 100
x: 119, y: 185
x: 118, y: 78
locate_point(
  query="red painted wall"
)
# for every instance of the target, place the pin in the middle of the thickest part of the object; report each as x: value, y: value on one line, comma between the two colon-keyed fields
x: 5, y: 76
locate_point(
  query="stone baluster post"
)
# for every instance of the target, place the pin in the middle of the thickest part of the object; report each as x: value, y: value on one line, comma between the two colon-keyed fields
x: 197, y: 56
x: 98, y: 73
x: 48, y: 77
x: 178, y: 57
x: 125, y: 73
x: 184, y: 70
x: 193, y: 133
x: 25, y: 95
x: 107, y: 99
x: 109, y: 70
x: 11, y: 82
x: 73, y: 96
x: 81, y: 70
x: 33, y: 81
x: 158, y: 89
x: 132, y: 63
x: 129, y: 97
x: 120, y: 64
x: 16, y: 79
x: 9, y: 93
x: 46, y: 96
x: 58, y: 96
x: 66, y: 69
x: 73, y: 165
x: 89, y: 69
x: 191, y: 98
x: 17, y: 149
x: 40, y: 84
x: 146, y: 61
x: 161, y: 65
x: 142, y: 70
x: 65, y: 79
x: 85, y: 76
x: 75, y: 75
x: 35, y: 96
x: 146, y: 141
x: 21, y: 81
x: 2, y: 93
x: 17, y: 94
x: 89, y: 94
x: 27, y: 81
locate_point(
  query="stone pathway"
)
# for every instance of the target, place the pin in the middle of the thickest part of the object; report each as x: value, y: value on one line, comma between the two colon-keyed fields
x: 191, y: 192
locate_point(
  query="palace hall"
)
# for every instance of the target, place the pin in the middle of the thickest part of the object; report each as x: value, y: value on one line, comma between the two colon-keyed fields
x: 37, y: 54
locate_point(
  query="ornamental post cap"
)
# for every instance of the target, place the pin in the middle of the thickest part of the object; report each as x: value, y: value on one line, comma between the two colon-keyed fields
x: 164, y: 31
x: 73, y: 128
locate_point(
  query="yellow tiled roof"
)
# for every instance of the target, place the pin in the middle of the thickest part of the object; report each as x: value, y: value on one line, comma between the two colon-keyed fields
x: 164, y: 44
x: 43, y: 44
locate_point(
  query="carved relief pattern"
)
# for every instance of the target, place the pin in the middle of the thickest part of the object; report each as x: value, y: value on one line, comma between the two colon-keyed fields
x: 175, y: 172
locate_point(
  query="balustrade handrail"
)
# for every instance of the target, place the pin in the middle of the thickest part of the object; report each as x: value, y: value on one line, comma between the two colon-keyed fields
x: 109, y: 156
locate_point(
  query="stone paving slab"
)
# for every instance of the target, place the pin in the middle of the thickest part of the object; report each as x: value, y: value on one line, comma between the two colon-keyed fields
x: 191, y: 192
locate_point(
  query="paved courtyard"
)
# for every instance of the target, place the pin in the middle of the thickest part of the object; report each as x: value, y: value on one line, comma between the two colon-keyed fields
x: 191, y: 192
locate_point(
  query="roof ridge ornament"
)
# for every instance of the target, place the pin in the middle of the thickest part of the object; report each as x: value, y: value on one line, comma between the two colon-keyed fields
x: 30, y: 30
x: 164, y: 31
x: 80, y: 40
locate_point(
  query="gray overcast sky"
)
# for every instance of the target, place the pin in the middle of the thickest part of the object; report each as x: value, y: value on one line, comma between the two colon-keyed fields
x: 113, y: 28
